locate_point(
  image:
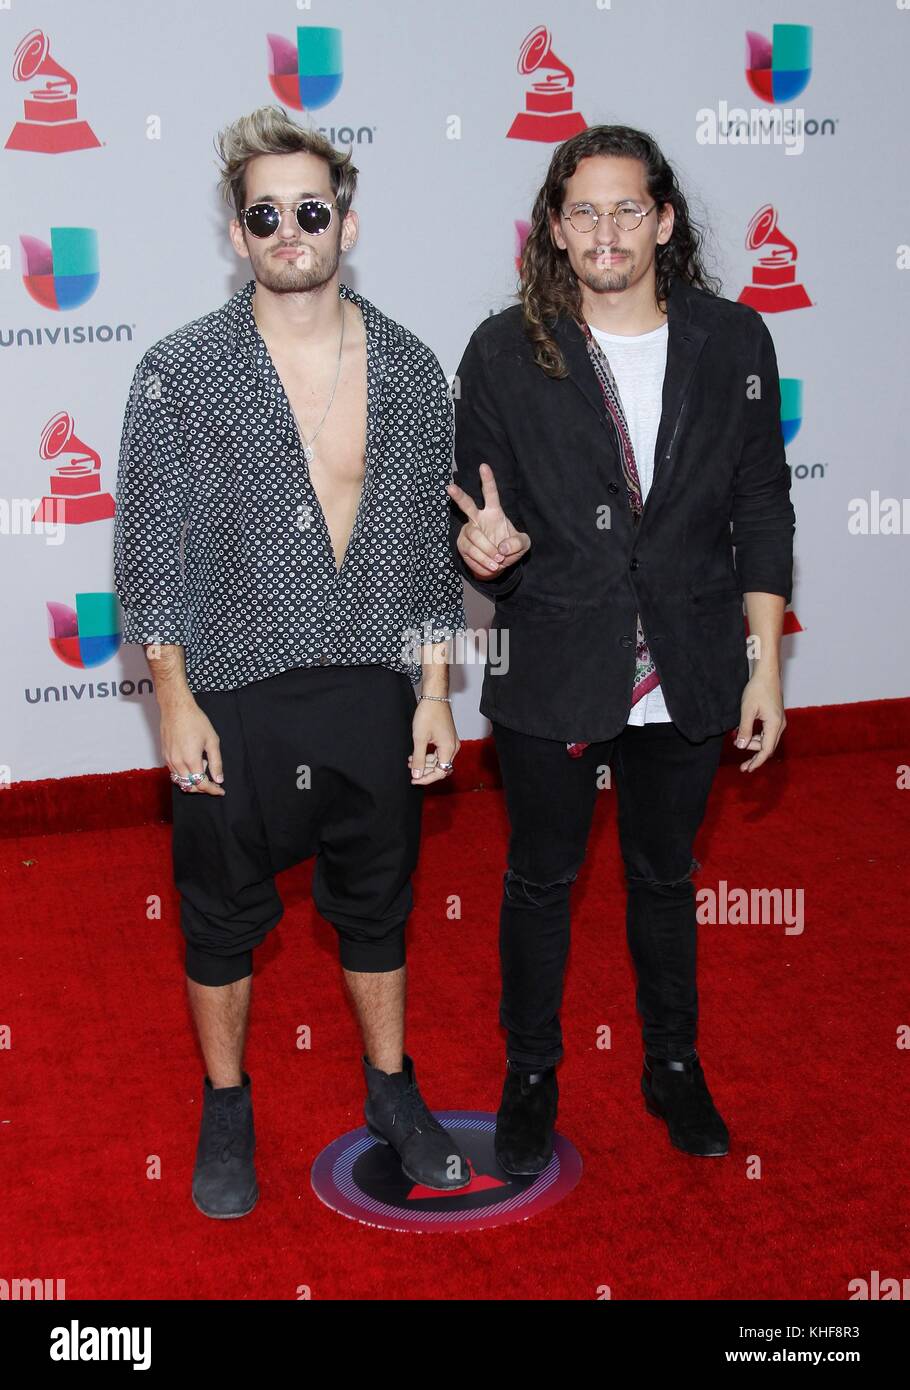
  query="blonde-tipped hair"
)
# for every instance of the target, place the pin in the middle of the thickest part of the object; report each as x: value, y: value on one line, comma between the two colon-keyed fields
x: 270, y: 130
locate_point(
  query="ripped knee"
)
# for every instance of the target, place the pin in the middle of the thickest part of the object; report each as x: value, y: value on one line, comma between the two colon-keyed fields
x: 694, y: 866
x: 520, y: 889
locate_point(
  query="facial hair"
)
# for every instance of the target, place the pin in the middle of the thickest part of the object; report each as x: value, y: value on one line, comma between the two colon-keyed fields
x: 285, y: 276
x: 611, y: 278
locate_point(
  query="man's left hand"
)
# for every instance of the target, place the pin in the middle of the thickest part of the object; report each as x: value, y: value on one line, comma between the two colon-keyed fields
x: 762, y: 699
x: 433, y: 725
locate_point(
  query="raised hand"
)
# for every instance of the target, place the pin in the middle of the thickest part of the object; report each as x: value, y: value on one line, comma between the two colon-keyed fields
x: 488, y: 542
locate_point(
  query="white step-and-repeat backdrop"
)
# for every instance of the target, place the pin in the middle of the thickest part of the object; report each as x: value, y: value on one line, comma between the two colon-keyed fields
x: 786, y: 122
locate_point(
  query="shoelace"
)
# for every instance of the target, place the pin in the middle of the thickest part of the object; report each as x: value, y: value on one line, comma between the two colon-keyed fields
x: 412, y: 1111
x: 227, y: 1116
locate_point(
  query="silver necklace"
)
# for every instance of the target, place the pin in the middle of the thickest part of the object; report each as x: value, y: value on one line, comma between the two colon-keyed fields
x: 308, y: 452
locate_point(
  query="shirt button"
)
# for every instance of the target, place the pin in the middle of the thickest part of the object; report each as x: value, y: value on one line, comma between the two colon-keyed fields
x: 634, y: 563
x: 323, y: 660
x: 625, y: 641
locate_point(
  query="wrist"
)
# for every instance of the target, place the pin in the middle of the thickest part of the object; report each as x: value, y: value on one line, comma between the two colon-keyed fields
x: 171, y: 701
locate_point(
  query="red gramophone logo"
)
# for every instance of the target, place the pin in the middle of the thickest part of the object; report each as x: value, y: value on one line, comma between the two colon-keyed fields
x: 75, y: 494
x: 50, y: 125
x: 548, y: 115
x: 774, y: 285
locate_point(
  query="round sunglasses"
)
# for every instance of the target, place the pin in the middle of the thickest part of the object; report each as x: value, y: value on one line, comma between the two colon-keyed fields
x: 263, y: 219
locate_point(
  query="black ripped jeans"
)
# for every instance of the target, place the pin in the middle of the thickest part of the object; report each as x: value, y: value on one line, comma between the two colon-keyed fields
x: 661, y: 781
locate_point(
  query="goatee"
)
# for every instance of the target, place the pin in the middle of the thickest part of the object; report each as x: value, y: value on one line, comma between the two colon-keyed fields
x: 287, y: 277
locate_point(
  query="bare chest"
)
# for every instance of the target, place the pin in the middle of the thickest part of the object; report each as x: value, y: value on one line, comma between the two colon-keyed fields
x: 333, y: 425
x: 331, y: 418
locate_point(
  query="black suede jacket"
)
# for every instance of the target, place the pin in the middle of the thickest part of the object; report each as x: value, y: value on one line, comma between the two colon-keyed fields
x: 718, y: 521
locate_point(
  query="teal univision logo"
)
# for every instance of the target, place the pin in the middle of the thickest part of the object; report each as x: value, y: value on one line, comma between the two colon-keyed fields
x: 88, y: 634
x: 64, y: 273
x: 307, y: 74
x: 779, y: 68
x: 791, y: 406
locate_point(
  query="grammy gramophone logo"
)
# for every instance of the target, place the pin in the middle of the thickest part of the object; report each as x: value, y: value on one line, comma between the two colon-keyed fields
x: 50, y: 124
x: 75, y: 485
x: 774, y: 284
x: 548, y: 114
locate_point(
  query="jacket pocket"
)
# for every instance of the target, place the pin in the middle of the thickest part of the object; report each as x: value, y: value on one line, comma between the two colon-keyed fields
x: 530, y: 603
x: 716, y: 595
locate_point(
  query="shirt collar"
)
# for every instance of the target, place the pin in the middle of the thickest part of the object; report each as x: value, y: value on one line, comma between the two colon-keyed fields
x: 384, y: 337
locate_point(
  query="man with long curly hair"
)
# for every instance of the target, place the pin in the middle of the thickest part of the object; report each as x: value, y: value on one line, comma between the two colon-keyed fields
x: 621, y: 467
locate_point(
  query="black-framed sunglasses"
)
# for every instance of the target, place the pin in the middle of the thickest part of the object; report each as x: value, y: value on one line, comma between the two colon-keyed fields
x: 314, y: 215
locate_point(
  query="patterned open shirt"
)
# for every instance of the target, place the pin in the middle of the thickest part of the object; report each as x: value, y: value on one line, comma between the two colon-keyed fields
x: 220, y: 543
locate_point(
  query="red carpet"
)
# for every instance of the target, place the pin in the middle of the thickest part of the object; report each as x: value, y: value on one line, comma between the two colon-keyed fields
x: 798, y: 1037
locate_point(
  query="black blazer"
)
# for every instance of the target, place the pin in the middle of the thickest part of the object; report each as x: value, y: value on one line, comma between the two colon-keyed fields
x: 721, y: 484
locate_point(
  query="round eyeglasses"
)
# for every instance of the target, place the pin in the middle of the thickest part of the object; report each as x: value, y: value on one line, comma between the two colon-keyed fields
x: 627, y: 216
x: 314, y: 215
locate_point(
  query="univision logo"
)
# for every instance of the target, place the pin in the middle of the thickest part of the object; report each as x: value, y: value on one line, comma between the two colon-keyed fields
x: 64, y: 273
x: 61, y: 275
x: 779, y: 68
x: 791, y: 406
x: 308, y: 73
x: 791, y: 419
x: 86, y: 635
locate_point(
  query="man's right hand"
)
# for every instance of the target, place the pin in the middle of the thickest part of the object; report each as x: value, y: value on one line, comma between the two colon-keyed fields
x: 186, y: 735
x: 488, y: 542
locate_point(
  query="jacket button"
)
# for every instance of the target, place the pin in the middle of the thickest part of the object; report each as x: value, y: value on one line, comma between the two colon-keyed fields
x: 612, y: 487
x: 634, y: 563
x: 625, y: 641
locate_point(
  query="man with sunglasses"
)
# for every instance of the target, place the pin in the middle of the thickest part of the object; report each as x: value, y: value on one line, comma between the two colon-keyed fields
x: 617, y: 439
x: 281, y: 550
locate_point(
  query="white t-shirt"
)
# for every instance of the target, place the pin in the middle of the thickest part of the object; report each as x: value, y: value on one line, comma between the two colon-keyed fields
x: 638, y: 364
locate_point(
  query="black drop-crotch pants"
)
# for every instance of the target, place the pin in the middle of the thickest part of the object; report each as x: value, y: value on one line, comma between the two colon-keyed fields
x: 315, y: 763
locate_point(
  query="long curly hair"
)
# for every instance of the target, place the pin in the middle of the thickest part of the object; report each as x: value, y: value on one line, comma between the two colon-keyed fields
x: 548, y: 286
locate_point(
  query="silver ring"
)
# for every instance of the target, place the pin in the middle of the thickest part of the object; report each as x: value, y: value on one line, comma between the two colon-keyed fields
x: 191, y: 779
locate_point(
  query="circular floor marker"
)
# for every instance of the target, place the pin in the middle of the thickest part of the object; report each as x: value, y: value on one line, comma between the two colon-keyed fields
x: 362, y: 1179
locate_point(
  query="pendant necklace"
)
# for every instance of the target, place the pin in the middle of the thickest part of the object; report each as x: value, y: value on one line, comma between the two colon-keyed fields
x: 308, y: 452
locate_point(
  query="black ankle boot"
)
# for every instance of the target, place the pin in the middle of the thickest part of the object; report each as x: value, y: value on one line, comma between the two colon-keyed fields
x: 678, y: 1093
x: 397, y: 1115
x: 525, y: 1119
x: 224, y: 1178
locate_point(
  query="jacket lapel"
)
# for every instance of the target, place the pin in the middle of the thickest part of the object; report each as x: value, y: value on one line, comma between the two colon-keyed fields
x: 684, y: 344
x: 685, y: 341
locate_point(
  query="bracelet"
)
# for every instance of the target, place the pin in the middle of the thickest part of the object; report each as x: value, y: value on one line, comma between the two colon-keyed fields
x: 435, y: 697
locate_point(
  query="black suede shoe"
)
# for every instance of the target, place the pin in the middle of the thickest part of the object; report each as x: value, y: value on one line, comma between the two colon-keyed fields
x: 397, y: 1115
x: 224, y: 1179
x: 678, y: 1093
x: 523, y: 1142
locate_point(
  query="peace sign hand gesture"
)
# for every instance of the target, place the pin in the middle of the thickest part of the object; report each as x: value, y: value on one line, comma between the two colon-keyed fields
x: 487, y: 542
